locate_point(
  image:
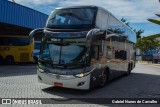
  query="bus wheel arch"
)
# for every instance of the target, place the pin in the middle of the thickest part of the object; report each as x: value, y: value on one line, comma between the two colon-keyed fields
x: 129, y: 69
x: 131, y: 66
x: 9, y: 59
x: 105, y: 77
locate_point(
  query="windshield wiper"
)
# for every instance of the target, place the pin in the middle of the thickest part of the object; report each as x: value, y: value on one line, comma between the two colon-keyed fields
x: 74, y: 64
x: 45, y: 60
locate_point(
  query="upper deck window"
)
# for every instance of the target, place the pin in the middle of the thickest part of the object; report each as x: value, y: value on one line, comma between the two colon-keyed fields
x: 71, y: 18
x: 14, y: 41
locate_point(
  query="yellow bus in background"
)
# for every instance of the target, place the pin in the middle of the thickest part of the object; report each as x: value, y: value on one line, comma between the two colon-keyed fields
x: 16, y: 49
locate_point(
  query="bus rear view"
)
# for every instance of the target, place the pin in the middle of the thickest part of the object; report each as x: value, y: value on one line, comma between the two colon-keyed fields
x: 79, y: 49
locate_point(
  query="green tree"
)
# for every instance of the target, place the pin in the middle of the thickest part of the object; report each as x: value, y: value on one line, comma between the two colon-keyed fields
x: 126, y: 22
x: 154, y: 20
x: 147, y: 44
x: 143, y: 44
x: 138, y: 32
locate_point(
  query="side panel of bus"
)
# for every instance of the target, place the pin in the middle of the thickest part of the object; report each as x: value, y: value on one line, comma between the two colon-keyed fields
x: 117, y: 51
x: 19, y: 53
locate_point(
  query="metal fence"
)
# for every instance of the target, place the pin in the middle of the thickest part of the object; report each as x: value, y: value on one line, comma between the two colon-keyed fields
x: 147, y: 57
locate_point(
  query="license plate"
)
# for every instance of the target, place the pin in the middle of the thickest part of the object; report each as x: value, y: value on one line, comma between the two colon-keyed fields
x: 57, y: 84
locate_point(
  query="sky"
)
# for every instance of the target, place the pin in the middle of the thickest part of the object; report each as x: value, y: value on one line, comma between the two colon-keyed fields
x: 135, y: 11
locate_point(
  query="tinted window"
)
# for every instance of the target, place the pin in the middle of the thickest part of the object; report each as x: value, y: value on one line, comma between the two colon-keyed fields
x: 68, y: 53
x: 37, y: 45
x: 13, y: 41
x: 65, y: 51
x: 71, y: 18
x: 120, y: 54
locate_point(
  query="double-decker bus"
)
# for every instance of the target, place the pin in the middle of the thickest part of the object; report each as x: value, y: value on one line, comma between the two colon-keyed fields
x: 16, y: 49
x: 83, y: 47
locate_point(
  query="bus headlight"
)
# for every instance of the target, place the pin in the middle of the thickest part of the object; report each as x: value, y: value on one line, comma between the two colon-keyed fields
x: 84, y: 74
x: 40, y: 67
x: 40, y: 70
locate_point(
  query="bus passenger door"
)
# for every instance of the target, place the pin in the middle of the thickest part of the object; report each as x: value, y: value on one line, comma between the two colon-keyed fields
x: 112, y: 62
x: 96, y: 57
x: 94, y: 54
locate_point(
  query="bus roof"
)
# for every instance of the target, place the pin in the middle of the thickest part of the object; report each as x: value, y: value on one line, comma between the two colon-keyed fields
x: 71, y: 7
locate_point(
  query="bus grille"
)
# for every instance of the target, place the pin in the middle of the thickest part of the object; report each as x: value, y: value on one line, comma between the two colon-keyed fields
x: 24, y: 57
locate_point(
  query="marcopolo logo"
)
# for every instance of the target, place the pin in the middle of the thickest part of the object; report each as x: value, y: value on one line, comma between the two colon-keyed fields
x: 6, y: 101
x: 58, y: 76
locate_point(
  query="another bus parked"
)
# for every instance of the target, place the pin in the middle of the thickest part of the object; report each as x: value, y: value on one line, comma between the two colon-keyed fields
x: 16, y: 49
x: 83, y: 47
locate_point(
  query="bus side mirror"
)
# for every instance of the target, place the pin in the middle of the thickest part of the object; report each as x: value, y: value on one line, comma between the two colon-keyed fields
x: 34, y: 32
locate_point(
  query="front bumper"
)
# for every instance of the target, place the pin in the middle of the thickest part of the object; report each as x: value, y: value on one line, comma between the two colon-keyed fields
x: 68, y: 81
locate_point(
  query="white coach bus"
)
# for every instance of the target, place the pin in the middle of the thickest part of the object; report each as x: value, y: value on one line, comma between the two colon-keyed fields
x: 83, y: 47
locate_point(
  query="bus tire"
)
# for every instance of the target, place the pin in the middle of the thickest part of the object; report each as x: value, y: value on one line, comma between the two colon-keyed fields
x: 9, y: 60
x: 129, y: 70
x: 134, y: 64
x: 104, y: 78
x: 1, y: 59
x: 131, y: 66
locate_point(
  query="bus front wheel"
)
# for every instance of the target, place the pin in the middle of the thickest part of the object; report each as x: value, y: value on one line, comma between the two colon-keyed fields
x: 129, y: 70
x: 104, y: 78
x: 9, y: 60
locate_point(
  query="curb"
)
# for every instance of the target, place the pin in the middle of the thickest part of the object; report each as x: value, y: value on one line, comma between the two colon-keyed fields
x: 146, y: 63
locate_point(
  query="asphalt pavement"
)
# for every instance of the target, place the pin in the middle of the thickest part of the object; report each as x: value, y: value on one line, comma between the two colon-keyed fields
x: 20, y: 81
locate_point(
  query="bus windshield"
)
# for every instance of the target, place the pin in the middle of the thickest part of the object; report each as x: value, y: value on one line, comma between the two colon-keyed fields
x: 37, y: 45
x: 65, y: 51
x: 71, y: 18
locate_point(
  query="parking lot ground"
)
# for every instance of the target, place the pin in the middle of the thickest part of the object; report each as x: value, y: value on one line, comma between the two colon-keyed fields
x: 20, y: 81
